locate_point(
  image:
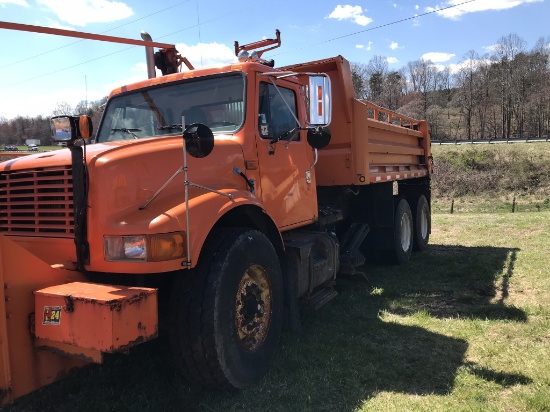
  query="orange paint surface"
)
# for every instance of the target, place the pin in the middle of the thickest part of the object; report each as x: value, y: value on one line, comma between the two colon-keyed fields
x: 101, y: 317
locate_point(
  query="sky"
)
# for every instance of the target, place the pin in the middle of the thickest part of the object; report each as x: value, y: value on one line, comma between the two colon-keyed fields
x: 39, y: 71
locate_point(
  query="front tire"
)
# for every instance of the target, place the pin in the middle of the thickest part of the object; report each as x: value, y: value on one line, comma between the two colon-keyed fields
x: 403, y: 232
x: 227, y: 317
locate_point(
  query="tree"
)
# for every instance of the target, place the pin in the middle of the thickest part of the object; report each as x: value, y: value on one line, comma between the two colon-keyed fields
x: 82, y: 107
x: 394, y: 86
x: 358, y: 77
x: 506, y: 50
x: 423, y: 78
x: 469, y: 95
x: 62, y: 109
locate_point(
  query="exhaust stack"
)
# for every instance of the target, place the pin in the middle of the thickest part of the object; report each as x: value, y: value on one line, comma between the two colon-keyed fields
x: 149, y: 56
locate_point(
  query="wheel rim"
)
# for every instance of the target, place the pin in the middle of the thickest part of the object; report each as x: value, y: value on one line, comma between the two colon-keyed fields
x: 406, y: 231
x: 424, y: 222
x: 253, y: 308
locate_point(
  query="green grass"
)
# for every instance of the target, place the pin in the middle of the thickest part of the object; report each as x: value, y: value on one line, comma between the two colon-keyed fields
x: 465, y: 326
x: 492, y: 178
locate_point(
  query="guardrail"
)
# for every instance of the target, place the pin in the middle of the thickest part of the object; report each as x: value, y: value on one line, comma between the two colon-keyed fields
x: 18, y: 153
x: 489, y: 141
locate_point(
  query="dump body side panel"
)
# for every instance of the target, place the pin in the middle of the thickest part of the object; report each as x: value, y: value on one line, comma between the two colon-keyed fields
x: 369, y: 144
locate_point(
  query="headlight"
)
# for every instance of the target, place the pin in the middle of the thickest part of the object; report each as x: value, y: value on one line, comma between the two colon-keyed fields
x: 144, y: 248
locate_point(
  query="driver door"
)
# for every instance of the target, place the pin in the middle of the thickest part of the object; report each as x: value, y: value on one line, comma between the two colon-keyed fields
x: 287, y: 183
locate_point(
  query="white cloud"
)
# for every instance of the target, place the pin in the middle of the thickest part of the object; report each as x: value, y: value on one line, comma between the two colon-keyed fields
x: 367, y: 47
x: 140, y: 68
x: 56, y: 25
x: 207, y: 54
x: 81, y: 12
x: 437, y: 57
x: 353, y: 13
x: 139, y: 73
x: 43, y: 102
x: 463, y: 65
x: 392, y: 60
x: 475, y: 6
x: 212, y: 54
x: 394, y: 45
x: 16, y: 2
x: 469, y: 63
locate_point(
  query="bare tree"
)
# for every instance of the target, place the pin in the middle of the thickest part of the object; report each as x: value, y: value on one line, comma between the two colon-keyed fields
x: 360, y: 80
x: 423, y: 77
x: 394, y: 89
x: 469, y: 88
x: 540, y: 94
x: 506, y: 50
x: 62, y: 108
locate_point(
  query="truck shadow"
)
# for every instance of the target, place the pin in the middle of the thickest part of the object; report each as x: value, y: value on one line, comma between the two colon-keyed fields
x: 451, y: 281
x: 365, y: 342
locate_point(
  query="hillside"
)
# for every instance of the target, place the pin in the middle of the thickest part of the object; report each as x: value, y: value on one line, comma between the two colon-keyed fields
x: 487, y: 177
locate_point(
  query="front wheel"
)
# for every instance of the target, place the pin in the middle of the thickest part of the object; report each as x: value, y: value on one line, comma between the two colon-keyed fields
x: 403, y: 232
x: 227, y: 317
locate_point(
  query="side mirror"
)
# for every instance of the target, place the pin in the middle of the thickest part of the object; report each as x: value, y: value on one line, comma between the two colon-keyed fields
x: 199, y: 140
x: 318, y: 137
x: 320, y: 100
x: 67, y: 129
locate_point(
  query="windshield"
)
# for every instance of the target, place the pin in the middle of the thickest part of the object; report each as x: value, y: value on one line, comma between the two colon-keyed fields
x: 217, y: 102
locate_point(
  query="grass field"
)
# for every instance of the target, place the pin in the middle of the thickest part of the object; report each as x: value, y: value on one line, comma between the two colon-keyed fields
x: 491, y: 177
x: 464, y: 327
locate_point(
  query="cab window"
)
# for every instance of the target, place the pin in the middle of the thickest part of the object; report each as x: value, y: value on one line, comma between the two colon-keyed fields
x: 274, y: 117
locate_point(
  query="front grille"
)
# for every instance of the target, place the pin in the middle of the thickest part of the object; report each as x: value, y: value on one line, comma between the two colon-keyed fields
x: 37, y: 202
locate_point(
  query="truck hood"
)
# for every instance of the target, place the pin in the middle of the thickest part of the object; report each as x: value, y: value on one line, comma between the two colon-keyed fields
x: 125, y: 175
x: 107, y: 151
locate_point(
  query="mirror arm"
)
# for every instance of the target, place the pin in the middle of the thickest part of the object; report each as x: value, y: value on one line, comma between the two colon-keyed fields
x: 284, y: 101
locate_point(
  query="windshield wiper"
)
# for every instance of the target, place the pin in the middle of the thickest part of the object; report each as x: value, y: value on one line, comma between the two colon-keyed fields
x: 170, y: 127
x: 125, y: 130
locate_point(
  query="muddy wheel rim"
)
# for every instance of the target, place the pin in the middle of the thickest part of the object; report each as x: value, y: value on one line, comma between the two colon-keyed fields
x: 253, y: 308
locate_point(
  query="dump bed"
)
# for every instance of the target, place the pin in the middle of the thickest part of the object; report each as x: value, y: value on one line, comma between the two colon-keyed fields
x: 369, y: 144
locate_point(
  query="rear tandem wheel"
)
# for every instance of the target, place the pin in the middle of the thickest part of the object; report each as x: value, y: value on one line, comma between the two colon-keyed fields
x: 422, y: 224
x: 403, y: 232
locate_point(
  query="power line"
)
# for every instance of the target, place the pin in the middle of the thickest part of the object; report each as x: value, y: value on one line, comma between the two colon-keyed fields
x: 375, y: 27
x: 224, y: 17
x: 127, y: 48
x: 106, y: 31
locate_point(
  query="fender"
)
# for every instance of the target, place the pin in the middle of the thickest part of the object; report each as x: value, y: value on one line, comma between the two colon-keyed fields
x: 207, y: 210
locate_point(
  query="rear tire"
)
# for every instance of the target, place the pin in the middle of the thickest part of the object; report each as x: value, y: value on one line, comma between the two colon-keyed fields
x: 403, y: 232
x: 422, y: 224
x: 227, y: 315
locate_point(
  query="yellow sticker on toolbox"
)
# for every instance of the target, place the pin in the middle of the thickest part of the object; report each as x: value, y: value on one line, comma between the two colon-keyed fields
x: 52, y: 315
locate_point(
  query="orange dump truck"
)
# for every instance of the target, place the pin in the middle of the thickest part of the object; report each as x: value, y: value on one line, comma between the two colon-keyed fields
x: 210, y: 201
